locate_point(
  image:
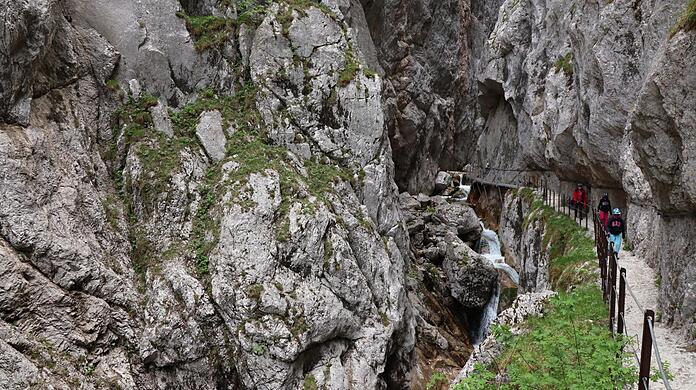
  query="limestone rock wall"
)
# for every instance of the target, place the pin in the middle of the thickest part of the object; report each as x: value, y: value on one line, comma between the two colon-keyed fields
x: 430, y: 51
x: 176, y: 215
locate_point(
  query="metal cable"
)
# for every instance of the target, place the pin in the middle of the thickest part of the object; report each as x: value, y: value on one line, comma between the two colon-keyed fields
x: 635, y: 299
x: 657, y: 355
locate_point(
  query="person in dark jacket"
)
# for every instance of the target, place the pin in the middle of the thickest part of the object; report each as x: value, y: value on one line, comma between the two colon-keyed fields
x: 604, y: 208
x: 617, y: 230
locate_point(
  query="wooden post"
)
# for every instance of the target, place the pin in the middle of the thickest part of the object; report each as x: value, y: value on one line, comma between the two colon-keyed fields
x: 645, y: 352
x: 612, y: 291
x: 622, y: 301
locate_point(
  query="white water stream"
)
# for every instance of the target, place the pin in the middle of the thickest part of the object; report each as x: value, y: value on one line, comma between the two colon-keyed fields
x: 490, y: 249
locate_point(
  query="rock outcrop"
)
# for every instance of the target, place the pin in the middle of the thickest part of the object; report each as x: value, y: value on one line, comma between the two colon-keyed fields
x: 449, y: 283
x: 231, y: 222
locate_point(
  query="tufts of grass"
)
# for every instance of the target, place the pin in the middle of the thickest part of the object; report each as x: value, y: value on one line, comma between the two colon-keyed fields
x: 565, y: 64
x: 310, y: 383
x: 208, y: 31
x: 350, y: 69
x: 250, y: 12
x: 687, y: 21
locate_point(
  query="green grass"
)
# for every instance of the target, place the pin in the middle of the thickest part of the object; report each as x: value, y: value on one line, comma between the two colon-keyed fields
x: 565, y: 64
x: 350, y: 69
x: 687, y: 21
x: 208, y: 31
x: 568, y: 348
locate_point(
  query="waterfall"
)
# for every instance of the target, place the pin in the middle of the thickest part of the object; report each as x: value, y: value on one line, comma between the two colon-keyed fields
x: 490, y: 313
x: 490, y: 249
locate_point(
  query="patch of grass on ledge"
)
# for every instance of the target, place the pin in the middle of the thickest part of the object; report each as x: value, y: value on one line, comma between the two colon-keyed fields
x: 207, y: 31
x: 687, y: 21
x: 568, y: 348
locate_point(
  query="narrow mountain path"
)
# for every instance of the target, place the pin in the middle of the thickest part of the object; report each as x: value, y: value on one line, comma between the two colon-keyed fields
x: 673, y: 348
x: 641, y: 280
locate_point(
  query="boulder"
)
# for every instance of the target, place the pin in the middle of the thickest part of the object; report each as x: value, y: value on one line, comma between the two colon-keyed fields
x: 210, y: 134
x: 443, y: 181
x: 470, y: 277
x: 160, y: 118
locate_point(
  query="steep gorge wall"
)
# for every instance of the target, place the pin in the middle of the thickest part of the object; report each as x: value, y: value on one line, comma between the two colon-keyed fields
x: 230, y: 223
x: 429, y: 51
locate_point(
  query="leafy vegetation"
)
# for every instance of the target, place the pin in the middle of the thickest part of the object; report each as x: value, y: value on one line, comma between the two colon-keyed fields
x: 437, y: 381
x: 565, y: 64
x: 208, y: 31
x: 687, y: 21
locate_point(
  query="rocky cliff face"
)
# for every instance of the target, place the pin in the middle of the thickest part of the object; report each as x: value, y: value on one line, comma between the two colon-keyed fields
x: 430, y: 52
x: 196, y: 195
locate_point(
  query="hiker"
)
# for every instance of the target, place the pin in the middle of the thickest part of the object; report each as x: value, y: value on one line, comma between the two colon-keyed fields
x: 579, y: 199
x: 604, y: 209
x: 617, y: 230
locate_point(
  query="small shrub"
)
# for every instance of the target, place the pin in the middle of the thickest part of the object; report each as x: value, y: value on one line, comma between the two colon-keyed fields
x: 565, y: 64
x: 437, y: 381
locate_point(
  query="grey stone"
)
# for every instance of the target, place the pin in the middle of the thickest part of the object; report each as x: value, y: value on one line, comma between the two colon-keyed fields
x: 209, y: 132
x: 443, y: 180
x: 161, y: 120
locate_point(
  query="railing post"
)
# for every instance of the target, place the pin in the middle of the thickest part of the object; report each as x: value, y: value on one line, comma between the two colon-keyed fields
x: 612, y: 291
x: 645, y: 352
x: 622, y: 302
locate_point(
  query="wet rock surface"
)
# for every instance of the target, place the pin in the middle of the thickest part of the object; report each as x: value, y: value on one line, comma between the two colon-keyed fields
x: 451, y: 282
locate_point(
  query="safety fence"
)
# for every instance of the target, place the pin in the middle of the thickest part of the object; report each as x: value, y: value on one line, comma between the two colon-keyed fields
x: 609, y: 265
x: 610, y: 271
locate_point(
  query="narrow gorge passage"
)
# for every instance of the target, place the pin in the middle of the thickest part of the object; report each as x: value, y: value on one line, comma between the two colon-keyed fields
x: 272, y: 195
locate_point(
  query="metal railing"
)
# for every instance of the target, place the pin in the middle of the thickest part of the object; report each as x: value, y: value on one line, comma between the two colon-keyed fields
x: 609, y: 264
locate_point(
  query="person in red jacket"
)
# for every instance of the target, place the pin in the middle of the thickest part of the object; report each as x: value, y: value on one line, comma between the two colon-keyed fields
x: 579, y: 198
x: 604, y: 208
x: 579, y: 201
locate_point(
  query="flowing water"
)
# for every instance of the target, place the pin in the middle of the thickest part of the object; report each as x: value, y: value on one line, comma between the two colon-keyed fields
x: 490, y: 249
